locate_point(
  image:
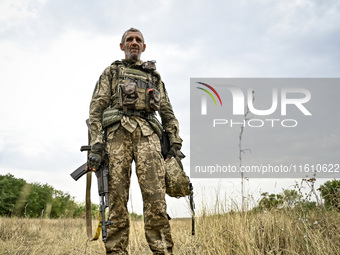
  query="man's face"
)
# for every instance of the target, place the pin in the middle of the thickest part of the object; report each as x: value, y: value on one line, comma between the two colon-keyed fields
x: 133, y: 45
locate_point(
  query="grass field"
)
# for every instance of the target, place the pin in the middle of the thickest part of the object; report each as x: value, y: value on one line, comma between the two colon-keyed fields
x: 284, y: 231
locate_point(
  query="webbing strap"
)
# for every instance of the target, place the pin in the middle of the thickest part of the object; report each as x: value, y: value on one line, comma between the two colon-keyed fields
x: 99, y: 229
x: 142, y: 114
x: 88, y: 205
x: 88, y: 194
x: 88, y: 212
x: 143, y: 78
x: 143, y: 84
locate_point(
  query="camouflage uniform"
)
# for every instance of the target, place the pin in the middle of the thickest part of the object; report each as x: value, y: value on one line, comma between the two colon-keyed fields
x: 133, y: 138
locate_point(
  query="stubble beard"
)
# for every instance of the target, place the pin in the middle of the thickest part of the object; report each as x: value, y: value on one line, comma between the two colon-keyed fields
x: 132, y: 56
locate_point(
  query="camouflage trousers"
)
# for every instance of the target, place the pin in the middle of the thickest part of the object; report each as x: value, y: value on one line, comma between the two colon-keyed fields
x: 123, y: 147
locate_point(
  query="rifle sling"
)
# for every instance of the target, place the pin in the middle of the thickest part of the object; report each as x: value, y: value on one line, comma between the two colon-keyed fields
x: 88, y: 193
x: 88, y: 212
x: 88, y: 205
x: 99, y: 229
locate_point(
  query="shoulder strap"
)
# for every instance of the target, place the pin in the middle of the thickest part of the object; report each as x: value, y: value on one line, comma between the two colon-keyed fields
x: 116, y: 69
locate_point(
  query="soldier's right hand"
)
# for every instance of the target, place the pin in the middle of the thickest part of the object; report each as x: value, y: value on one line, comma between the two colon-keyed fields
x: 173, y: 152
x: 96, y: 157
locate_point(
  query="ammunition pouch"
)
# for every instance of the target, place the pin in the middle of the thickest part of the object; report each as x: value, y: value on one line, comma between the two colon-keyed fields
x: 129, y: 95
x: 136, y: 88
x: 176, y: 181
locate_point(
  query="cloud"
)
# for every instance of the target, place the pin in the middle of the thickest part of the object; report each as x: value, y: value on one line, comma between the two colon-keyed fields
x: 52, y: 53
x: 45, y: 97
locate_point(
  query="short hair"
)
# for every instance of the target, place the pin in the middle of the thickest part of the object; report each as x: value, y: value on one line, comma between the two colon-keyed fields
x: 131, y: 30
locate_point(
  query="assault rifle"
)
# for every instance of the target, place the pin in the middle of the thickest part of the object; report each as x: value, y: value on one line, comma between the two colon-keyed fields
x: 103, y: 189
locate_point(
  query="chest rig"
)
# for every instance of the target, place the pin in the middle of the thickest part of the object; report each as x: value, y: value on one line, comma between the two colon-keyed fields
x: 134, y: 89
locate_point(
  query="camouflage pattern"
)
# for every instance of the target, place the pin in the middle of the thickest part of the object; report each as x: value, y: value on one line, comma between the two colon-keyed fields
x: 123, y: 147
x: 104, y: 92
x: 133, y: 138
x: 177, y: 182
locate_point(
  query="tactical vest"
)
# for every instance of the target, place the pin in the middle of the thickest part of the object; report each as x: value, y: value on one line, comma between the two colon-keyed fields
x: 135, y: 88
x: 134, y: 92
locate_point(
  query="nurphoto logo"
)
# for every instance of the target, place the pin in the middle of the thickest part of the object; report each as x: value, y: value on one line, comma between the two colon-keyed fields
x: 264, y: 127
x: 240, y: 103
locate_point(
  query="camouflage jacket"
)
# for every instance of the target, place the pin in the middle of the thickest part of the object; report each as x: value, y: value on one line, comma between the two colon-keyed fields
x: 102, y: 99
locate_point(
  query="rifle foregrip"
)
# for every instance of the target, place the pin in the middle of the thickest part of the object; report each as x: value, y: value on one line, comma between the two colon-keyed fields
x: 85, y: 148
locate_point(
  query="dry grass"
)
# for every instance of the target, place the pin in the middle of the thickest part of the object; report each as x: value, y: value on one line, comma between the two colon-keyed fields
x: 45, y: 236
x: 272, y: 232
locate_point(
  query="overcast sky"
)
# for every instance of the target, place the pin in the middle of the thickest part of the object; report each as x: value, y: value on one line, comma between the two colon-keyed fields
x: 53, y: 52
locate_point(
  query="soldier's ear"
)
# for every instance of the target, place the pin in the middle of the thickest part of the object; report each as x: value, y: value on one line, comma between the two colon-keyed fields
x: 122, y: 46
x: 144, y: 46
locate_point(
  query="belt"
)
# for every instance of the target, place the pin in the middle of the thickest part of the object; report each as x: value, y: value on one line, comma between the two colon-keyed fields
x: 142, y: 114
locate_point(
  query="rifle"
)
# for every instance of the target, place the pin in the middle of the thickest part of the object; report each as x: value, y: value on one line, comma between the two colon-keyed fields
x: 103, y: 190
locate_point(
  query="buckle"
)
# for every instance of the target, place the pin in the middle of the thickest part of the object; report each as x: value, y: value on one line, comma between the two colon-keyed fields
x: 142, y: 114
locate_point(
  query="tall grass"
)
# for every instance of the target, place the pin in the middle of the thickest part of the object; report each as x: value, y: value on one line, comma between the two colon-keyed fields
x: 268, y: 232
x: 278, y: 231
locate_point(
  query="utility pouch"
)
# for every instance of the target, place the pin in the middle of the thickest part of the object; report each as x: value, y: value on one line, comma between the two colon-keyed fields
x: 111, y: 116
x: 149, y: 65
x: 156, y: 126
x: 129, y: 93
x: 154, y: 99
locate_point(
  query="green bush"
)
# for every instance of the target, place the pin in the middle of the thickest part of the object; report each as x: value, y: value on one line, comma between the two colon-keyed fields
x: 330, y: 192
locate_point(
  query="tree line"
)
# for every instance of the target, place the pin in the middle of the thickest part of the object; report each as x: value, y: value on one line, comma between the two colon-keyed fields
x: 34, y: 200
x: 22, y: 199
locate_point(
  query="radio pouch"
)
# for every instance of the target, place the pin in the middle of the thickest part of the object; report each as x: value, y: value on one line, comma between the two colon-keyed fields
x: 154, y: 99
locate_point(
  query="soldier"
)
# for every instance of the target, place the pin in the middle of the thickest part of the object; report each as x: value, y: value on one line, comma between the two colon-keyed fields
x: 123, y: 107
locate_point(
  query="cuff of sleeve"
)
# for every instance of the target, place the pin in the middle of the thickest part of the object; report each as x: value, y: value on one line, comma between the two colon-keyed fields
x: 175, y: 140
x: 96, y: 140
